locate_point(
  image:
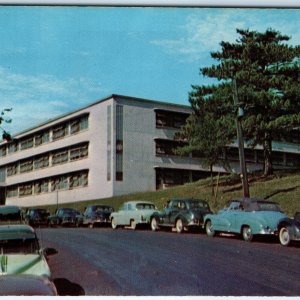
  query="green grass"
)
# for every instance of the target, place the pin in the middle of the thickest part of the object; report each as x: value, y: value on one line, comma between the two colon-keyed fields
x: 282, y: 187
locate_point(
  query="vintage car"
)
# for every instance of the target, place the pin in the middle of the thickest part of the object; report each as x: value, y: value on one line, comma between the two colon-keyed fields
x: 133, y: 213
x: 21, y: 252
x: 63, y: 217
x: 95, y: 215
x: 181, y: 214
x: 11, y: 214
x: 36, y: 216
x: 26, y: 285
x: 289, y: 230
x: 246, y: 216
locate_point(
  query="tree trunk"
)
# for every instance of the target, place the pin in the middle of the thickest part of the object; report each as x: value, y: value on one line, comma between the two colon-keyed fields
x: 268, y: 165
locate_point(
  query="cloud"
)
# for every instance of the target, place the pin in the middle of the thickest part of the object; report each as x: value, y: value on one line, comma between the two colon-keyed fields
x: 204, y: 29
x: 35, y: 99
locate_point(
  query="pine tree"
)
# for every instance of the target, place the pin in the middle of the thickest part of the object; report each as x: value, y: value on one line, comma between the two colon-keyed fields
x: 267, y: 71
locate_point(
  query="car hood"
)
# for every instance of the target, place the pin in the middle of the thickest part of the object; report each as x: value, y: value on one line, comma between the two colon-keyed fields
x: 33, y: 264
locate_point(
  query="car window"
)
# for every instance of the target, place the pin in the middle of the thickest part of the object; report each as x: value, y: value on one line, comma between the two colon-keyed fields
x: 19, y: 246
x: 197, y: 204
x: 145, y: 206
x: 234, y: 205
x: 268, y: 206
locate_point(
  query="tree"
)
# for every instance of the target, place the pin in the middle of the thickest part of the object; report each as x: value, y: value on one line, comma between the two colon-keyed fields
x: 5, y: 135
x: 208, y: 130
x: 267, y: 71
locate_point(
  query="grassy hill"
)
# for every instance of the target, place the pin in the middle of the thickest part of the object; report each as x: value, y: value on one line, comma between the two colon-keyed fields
x: 283, y: 188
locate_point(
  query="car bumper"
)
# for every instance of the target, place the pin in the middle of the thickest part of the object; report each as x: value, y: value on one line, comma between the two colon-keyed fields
x: 268, y: 231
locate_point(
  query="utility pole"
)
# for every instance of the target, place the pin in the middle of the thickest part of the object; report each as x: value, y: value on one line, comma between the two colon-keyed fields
x: 240, y: 139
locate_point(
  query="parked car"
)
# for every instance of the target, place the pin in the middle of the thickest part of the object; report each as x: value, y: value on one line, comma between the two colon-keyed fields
x: 11, y: 214
x: 21, y: 252
x: 36, y: 216
x: 133, y: 213
x: 181, y: 214
x: 26, y: 285
x: 95, y: 215
x: 246, y: 216
x: 63, y: 217
x: 289, y: 230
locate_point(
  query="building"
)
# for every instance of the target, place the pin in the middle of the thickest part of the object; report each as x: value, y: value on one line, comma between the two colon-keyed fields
x: 116, y: 146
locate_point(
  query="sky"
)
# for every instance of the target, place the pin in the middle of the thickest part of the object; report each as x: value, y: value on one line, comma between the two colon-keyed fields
x: 56, y: 59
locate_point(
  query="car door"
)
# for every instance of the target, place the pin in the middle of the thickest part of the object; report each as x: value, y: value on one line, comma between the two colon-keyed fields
x: 173, y: 212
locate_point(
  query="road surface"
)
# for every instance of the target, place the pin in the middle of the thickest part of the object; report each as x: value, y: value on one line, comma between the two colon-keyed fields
x: 141, y: 262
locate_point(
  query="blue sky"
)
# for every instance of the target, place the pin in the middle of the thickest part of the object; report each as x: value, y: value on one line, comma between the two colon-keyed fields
x: 56, y: 59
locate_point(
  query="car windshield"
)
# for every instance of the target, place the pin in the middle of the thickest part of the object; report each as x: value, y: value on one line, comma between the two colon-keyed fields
x: 103, y: 208
x: 70, y: 211
x: 145, y: 206
x: 197, y: 204
x: 15, y: 246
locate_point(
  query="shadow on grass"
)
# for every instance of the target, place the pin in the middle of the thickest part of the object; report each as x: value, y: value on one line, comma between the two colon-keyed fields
x: 282, y: 191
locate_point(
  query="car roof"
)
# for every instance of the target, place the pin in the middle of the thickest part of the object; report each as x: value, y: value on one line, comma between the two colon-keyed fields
x: 25, y: 285
x: 9, y: 209
x: 139, y: 201
x: 187, y: 199
x: 15, y: 231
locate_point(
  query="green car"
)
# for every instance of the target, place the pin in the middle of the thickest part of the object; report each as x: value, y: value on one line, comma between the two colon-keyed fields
x: 246, y: 216
x: 20, y: 252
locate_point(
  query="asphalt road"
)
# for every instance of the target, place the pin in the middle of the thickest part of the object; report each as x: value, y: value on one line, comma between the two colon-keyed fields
x: 142, y: 262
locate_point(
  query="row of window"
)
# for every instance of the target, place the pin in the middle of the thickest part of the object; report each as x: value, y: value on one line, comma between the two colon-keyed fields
x: 48, y: 159
x: 167, y: 148
x: 52, y: 134
x: 52, y: 184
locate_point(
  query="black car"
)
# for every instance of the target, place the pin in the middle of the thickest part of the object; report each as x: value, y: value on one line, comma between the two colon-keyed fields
x: 36, y: 216
x: 95, y: 215
x: 181, y: 214
x: 63, y: 217
x: 289, y: 230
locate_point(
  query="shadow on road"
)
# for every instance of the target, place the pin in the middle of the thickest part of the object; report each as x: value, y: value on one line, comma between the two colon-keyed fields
x: 67, y: 288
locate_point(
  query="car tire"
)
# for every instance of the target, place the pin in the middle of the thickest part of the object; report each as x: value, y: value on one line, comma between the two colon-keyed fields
x: 179, y: 226
x: 77, y: 224
x: 208, y: 228
x: 91, y: 225
x: 133, y: 224
x: 247, y: 233
x: 284, y: 236
x: 154, y: 224
x: 113, y: 224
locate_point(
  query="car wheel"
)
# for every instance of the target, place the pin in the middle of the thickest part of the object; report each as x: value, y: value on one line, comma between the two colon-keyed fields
x: 179, y: 226
x: 91, y: 225
x: 284, y: 236
x: 209, y: 231
x: 77, y: 224
x: 133, y: 224
x: 154, y: 225
x: 113, y: 224
x: 247, y: 233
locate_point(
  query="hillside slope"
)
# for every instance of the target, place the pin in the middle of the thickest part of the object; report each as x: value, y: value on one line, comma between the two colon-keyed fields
x: 283, y: 188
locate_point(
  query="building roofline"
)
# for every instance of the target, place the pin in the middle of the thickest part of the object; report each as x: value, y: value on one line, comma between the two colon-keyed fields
x: 111, y: 96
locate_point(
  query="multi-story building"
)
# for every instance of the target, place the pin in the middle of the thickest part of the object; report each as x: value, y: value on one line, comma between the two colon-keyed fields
x: 116, y: 146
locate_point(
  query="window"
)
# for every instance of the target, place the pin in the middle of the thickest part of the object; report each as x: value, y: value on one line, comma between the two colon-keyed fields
x: 170, y: 119
x: 59, y: 132
x: 59, y: 183
x: 26, y: 144
x: 12, y: 191
x: 41, y: 186
x: 2, y: 151
x: 79, y: 152
x: 293, y: 160
x: 166, y: 147
x: 79, y: 180
x: 26, y: 166
x: 25, y: 189
x: 42, y: 138
x: 79, y: 124
x: 60, y: 157
x: 2, y: 174
x: 12, y: 169
x: 12, y: 147
x: 119, y: 143
x: 277, y: 158
x: 41, y: 162
x: 108, y: 159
